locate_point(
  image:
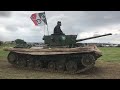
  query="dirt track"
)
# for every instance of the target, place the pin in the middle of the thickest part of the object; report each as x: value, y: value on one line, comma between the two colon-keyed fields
x: 102, y: 70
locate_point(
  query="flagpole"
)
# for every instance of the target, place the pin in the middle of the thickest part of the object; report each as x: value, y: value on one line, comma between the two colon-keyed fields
x: 47, y: 25
x: 44, y: 29
x: 47, y: 29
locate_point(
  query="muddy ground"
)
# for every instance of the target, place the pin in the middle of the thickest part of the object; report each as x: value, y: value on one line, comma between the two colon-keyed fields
x: 102, y: 70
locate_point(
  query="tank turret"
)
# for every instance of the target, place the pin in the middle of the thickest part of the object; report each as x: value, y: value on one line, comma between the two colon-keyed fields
x: 54, y: 40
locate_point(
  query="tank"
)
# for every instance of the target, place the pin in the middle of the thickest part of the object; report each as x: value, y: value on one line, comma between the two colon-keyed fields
x: 60, y: 53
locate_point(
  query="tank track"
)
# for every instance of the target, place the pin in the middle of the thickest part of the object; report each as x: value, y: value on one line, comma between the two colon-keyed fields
x: 71, y: 63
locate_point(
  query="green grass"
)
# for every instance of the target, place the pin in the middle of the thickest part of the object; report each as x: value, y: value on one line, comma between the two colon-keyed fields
x: 110, y: 54
x: 3, y: 54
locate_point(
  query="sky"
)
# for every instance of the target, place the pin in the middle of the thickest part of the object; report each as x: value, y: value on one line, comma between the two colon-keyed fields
x: 18, y: 25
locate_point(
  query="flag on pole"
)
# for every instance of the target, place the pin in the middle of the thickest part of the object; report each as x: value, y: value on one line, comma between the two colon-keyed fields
x: 39, y: 19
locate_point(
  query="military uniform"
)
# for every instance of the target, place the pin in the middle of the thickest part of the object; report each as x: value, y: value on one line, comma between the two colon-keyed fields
x: 57, y: 30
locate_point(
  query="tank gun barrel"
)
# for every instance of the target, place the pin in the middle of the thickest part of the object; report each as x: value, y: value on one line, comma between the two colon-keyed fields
x: 93, y: 37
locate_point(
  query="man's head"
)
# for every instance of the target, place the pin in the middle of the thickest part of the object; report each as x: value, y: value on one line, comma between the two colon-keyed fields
x: 59, y: 23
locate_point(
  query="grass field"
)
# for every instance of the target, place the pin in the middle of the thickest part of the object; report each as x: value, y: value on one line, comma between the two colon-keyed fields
x: 111, y: 54
x: 107, y: 67
x: 3, y: 54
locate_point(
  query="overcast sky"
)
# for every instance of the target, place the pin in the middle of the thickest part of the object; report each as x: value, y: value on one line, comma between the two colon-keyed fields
x: 17, y: 24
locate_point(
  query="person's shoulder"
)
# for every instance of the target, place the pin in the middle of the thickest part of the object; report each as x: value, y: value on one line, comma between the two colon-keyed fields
x: 56, y: 26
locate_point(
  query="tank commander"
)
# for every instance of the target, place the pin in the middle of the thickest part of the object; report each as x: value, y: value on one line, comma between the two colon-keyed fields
x: 57, y: 29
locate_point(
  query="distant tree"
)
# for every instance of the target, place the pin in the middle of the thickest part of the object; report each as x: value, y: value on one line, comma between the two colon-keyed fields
x: 12, y: 42
x: 118, y: 45
x: 20, y: 41
x: 1, y: 42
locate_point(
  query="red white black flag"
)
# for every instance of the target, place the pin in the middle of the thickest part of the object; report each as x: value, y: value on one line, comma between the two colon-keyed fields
x: 39, y: 19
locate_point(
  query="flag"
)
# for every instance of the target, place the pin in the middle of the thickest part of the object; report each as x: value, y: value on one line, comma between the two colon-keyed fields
x: 39, y: 19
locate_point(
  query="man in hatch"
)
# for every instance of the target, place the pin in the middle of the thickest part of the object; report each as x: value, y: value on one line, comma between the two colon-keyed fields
x: 57, y: 29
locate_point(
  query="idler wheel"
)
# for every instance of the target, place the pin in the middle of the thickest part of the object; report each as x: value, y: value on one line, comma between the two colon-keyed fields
x: 12, y: 57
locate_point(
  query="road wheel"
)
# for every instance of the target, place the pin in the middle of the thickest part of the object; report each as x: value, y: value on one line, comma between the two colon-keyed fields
x: 51, y: 66
x: 38, y: 64
x: 60, y: 66
x: 71, y: 66
x: 88, y: 60
x: 30, y: 63
x: 21, y: 62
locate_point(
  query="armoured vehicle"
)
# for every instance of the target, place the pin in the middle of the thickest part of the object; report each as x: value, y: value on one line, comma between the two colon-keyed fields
x: 60, y: 53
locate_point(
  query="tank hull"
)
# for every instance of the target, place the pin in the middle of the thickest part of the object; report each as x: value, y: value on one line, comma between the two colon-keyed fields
x: 72, y: 60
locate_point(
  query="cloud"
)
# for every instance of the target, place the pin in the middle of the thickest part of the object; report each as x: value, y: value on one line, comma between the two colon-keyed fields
x: 5, y: 13
x: 11, y: 28
x: 17, y: 24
